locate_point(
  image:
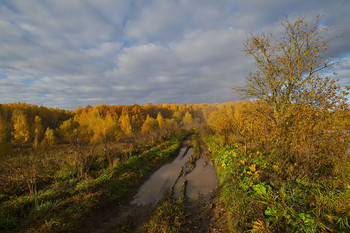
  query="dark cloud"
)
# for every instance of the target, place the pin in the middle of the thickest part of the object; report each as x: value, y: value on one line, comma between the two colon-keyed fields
x: 79, y: 52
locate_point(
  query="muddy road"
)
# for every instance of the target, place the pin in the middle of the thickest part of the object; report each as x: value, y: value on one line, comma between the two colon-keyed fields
x: 191, y: 176
x: 159, y: 184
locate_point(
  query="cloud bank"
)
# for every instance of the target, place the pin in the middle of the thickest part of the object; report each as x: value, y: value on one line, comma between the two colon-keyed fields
x: 69, y: 53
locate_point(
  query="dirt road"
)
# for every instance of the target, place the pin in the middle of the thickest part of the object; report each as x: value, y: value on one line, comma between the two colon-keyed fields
x: 204, y: 212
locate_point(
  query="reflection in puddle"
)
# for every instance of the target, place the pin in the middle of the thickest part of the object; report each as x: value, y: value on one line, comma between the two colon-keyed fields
x: 153, y: 190
x: 202, y: 180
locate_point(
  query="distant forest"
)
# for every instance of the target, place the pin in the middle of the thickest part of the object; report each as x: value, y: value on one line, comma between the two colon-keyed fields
x: 25, y: 124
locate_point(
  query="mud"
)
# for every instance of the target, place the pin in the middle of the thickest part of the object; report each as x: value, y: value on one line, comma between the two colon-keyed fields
x: 201, y: 181
x: 155, y: 188
x: 207, y: 215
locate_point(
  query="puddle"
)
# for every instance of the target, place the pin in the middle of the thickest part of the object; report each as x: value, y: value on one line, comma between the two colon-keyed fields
x: 153, y: 190
x: 202, y: 180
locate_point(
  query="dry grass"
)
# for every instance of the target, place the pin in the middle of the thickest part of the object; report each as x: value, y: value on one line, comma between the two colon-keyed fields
x: 51, y: 189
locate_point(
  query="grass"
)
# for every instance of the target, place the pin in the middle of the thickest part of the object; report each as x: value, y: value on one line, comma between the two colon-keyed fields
x: 52, y: 190
x: 266, y: 193
x: 169, y: 217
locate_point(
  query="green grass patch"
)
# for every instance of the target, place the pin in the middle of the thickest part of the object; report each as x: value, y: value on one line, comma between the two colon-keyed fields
x: 169, y: 217
x: 265, y: 193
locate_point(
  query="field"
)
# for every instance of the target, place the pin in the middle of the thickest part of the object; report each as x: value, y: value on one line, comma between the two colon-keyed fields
x: 50, y: 190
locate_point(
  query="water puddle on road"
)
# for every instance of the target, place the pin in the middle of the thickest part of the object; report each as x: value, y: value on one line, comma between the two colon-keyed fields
x: 153, y: 190
x: 202, y: 180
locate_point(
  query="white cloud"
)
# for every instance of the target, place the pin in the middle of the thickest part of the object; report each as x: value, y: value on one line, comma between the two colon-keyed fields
x: 104, y: 49
x: 158, y: 21
x: 80, y: 52
x: 212, y: 46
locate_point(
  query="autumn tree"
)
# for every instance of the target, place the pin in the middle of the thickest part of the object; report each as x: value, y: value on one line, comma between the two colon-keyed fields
x: 4, y: 134
x: 104, y: 129
x: 251, y: 128
x: 3, y: 129
x: 289, y: 67
x: 160, y: 120
x: 177, y: 116
x: 69, y: 130
x: 222, y: 122
x: 125, y: 124
x: 170, y: 126
x: 21, y: 133
x: 187, y: 120
x: 83, y: 118
x: 136, y: 115
x: 49, y: 138
x: 149, y: 126
x: 38, y: 131
x: 305, y: 111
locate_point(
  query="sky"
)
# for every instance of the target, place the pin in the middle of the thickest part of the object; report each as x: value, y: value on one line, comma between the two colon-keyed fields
x: 69, y: 53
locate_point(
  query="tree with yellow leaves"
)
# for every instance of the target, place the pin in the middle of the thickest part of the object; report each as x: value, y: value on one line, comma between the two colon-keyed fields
x: 69, y: 130
x: 149, y: 126
x: 288, y: 80
x: 4, y: 135
x: 38, y: 131
x: 3, y: 129
x: 304, y: 112
x: 252, y: 128
x: 49, y: 138
x: 160, y: 120
x: 104, y: 129
x: 187, y: 120
x: 21, y: 133
x: 288, y: 70
x: 125, y: 124
x: 222, y: 121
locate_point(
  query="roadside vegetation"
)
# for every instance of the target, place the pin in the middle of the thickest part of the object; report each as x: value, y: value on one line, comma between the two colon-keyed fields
x: 283, y: 160
x: 266, y: 192
x: 169, y: 216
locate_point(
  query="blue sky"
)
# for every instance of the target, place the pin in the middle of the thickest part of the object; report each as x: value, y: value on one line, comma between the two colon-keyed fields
x: 64, y: 54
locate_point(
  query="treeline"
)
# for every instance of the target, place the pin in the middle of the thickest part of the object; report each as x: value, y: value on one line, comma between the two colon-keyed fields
x: 22, y: 123
x: 31, y: 125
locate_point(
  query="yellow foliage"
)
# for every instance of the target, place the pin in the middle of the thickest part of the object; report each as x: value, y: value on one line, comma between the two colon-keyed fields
x: 222, y: 121
x: 38, y: 131
x: 187, y: 119
x: 68, y: 130
x: 160, y: 121
x: 103, y: 129
x: 260, y: 226
x: 3, y: 129
x: 21, y: 127
x: 252, y: 167
x: 149, y: 126
x: 125, y: 124
x: 49, y: 138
